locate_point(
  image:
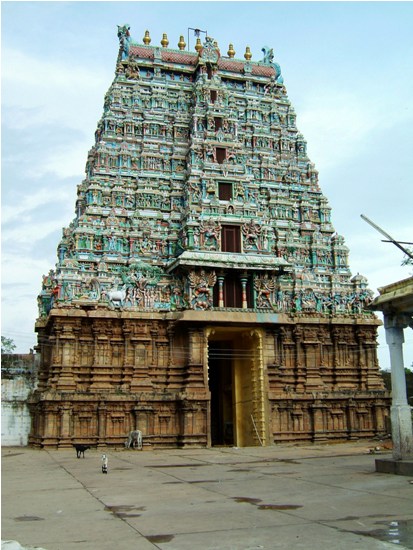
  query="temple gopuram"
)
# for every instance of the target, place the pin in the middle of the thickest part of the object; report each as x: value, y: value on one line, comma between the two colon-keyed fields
x: 201, y: 294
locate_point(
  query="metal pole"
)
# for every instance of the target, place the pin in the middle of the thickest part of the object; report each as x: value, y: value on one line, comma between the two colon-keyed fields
x: 380, y: 230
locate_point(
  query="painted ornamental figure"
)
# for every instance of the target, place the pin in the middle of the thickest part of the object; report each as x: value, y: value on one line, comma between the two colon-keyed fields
x: 269, y: 60
x: 210, y: 51
x: 201, y: 285
x: 124, y: 40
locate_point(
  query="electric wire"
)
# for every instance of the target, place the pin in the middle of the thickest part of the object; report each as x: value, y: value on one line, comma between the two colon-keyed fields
x: 183, y: 353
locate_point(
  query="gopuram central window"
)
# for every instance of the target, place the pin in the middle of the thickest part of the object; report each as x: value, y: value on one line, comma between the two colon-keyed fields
x: 225, y: 190
x: 230, y: 238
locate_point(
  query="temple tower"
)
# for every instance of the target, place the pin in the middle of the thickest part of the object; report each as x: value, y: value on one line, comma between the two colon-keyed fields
x: 201, y: 293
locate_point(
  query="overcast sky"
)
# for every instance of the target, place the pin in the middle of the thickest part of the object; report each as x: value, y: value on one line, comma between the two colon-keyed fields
x: 348, y: 69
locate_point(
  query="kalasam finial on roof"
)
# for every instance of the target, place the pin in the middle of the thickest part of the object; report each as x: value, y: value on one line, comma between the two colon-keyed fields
x: 147, y: 38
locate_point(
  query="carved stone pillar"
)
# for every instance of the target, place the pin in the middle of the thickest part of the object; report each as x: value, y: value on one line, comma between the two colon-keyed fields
x: 194, y: 376
x: 311, y: 349
x: 50, y: 424
x: 379, y: 417
x: 174, y: 371
x: 127, y: 367
x: 102, y: 413
x: 190, y: 238
x: 362, y: 366
x: 299, y: 360
x: 144, y: 421
x: 192, y: 423
x: 153, y: 357
x: 188, y: 410
x: 101, y: 375
x: 318, y: 421
x: 220, y: 279
x: 140, y: 377
x: 65, y: 425
x: 56, y: 358
x: 401, y: 419
x: 66, y: 381
x: 45, y: 367
x: 244, y: 279
x: 369, y: 370
x: 335, y: 334
x: 352, y: 425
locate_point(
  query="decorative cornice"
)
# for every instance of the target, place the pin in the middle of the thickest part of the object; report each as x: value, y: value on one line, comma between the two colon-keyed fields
x: 229, y: 260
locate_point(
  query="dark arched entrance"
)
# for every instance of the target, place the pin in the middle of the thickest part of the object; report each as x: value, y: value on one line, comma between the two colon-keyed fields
x: 236, y: 384
x: 220, y: 382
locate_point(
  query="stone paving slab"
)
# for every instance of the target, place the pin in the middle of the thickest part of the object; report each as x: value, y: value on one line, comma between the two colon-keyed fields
x: 287, y: 497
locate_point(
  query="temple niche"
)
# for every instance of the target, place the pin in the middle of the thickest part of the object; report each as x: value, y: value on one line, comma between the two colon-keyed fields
x: 201, y: 293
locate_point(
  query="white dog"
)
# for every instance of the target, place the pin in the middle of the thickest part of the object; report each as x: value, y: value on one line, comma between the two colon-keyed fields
x: 104, y: 464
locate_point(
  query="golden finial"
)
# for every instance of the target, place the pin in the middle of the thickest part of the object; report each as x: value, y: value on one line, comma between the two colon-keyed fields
x: 198, y: 45
x: 146, y: 38
x: 247, y: 53
x: 231, y: 51
x: 164, y: 41
x: 181, y: 43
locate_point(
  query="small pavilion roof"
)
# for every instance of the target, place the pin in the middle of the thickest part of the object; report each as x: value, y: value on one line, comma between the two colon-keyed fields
x: 396, y: 298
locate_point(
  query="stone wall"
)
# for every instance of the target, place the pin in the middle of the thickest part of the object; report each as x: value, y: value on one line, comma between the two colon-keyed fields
x: 17, y: 381
x: 183, y: 384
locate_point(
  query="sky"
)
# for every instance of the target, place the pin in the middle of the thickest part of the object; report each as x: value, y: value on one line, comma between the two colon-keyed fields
x: 348, y: 70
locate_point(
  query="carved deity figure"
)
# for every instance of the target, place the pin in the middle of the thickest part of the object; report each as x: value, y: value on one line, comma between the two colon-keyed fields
x: 201, y: 284
x: 264, y: 286
x: 210, y: 234
x: 251, y: 232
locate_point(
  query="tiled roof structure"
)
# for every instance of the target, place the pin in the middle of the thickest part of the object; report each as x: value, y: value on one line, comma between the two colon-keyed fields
x: 192, y: 59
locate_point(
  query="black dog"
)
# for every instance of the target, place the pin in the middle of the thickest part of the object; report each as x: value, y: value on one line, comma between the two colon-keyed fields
x: 80, y: 450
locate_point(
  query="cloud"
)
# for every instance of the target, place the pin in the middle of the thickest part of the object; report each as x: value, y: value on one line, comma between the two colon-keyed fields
x: 66, y: 161
x: 43, y: 87
x: 17, y: 269
x: 21, y: 284
x: 31, y: 232
x: 43, y: 153
x: 52, y: 139
x: 335, y: 126
x: 339, y: 123
x: 19, y: 304
x: 29, y: 202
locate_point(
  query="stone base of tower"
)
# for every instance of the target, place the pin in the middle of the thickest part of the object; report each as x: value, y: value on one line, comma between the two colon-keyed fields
x: 333, y: 417
x: 239, y: 381
x: 166, y: 420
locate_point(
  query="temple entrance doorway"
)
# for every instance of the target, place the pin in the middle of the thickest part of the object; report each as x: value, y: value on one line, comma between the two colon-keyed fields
x: 221, y: 373
x: 234, y: 380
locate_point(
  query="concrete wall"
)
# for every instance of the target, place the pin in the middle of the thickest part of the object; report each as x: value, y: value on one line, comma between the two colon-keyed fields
x: 17, y: 381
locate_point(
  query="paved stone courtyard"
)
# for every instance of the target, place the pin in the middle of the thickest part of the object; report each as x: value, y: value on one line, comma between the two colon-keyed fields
x: 281, y: 497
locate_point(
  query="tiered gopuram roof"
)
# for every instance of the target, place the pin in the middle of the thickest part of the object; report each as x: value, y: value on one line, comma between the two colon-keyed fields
x: 197, y: 166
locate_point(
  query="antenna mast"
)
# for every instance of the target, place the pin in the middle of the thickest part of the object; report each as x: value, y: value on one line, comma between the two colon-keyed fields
x: 197, y: 32
x: 390, y: 239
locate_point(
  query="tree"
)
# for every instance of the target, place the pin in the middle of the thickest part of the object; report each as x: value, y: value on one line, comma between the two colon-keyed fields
x: 408, y: 260
x: 386, y: 374
x: 7, y: 345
